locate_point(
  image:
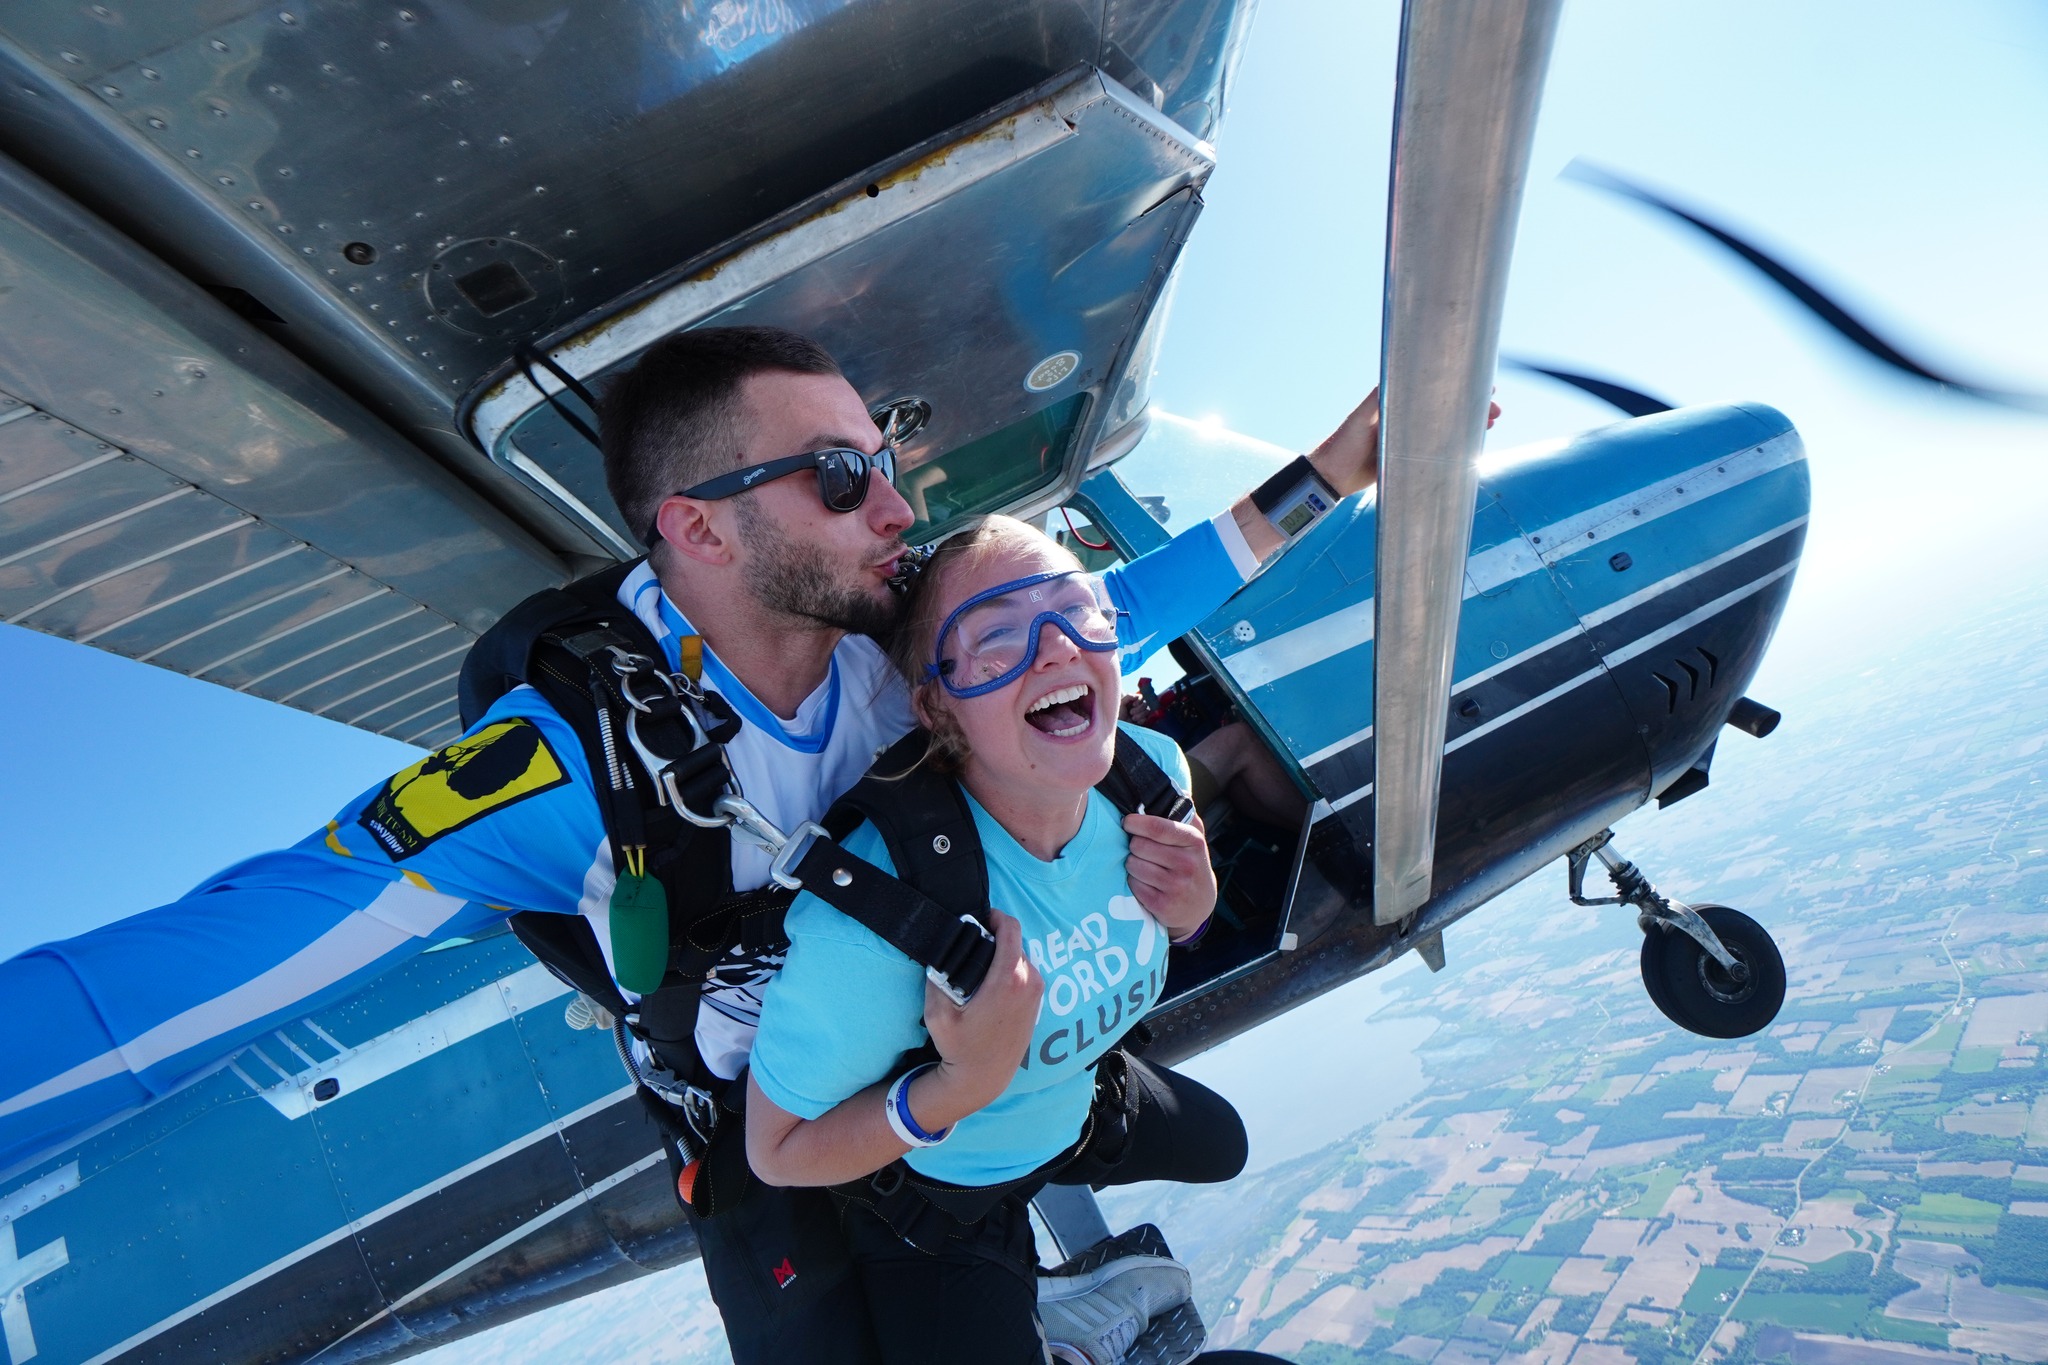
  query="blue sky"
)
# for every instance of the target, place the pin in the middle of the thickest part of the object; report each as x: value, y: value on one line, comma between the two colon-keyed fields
x: 1893, y: 149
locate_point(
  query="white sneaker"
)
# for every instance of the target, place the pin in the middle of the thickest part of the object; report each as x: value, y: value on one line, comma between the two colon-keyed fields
x: 1093, y: 1318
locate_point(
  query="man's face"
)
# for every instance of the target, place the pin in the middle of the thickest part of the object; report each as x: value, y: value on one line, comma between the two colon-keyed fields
x: 798, y: 557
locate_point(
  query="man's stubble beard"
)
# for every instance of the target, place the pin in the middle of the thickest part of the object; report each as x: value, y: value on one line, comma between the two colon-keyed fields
x: 795, y: 578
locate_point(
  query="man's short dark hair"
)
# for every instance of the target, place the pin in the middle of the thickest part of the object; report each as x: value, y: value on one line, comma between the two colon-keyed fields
x: 668, y: 422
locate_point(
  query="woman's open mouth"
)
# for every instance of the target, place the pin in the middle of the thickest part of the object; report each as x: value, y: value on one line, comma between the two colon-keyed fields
x: 1065, y: 712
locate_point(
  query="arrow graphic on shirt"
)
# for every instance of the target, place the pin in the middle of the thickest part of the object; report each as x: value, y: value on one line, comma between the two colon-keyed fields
x: 1127, y: 908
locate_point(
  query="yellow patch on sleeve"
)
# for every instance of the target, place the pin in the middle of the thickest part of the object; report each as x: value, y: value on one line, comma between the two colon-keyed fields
x: 450, y: 788
x: 333, y: 840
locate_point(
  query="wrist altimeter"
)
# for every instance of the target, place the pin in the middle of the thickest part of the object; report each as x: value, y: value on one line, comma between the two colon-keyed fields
x: 1295, y: 498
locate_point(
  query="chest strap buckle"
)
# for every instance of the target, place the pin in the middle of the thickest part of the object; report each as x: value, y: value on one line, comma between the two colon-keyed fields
x: 792, y: 852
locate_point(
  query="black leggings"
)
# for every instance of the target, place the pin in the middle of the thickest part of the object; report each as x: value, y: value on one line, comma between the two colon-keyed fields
x: 973, y: 1304
x: 857, y: 1294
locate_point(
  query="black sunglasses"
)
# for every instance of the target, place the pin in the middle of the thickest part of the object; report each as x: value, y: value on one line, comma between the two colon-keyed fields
x: 843, y: 475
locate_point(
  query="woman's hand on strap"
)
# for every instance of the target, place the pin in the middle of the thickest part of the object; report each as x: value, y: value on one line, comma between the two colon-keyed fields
x: 982, y: 1043
x: 1168, y: 869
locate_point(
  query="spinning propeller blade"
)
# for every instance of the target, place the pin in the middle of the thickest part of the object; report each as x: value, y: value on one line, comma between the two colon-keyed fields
x: 1630, y: 401
x: 1851, y: 328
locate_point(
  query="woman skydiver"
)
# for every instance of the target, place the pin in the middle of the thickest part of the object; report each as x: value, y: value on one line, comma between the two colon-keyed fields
x: 1010, y: 650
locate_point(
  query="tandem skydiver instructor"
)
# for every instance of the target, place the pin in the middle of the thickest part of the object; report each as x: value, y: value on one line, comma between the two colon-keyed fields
x: 775, y: 530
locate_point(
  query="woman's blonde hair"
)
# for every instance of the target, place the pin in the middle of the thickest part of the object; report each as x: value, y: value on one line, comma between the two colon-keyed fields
x: 911, y: 645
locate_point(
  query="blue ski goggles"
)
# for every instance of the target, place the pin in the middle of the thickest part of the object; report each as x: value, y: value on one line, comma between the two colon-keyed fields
x: 991, y: 639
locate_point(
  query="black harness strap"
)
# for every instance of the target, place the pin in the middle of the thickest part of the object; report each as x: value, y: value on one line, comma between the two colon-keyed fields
x: 560, y: 642
x: 934, y: 909
x: 1138, y: 786
x: 956, y: 947
x: 567, y: 948
x: 924, y: 819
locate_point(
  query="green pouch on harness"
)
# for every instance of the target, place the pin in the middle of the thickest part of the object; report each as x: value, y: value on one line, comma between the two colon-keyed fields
x: 639, y: 928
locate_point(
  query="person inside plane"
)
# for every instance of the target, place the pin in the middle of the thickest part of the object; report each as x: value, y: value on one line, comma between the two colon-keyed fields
x: 775, y: 529
x: 1010, y: 648
x: 1230, y: 764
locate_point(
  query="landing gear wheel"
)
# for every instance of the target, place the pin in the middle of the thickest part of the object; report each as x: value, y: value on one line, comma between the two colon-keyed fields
x: 1658, y: 985
x: 1697, y: 993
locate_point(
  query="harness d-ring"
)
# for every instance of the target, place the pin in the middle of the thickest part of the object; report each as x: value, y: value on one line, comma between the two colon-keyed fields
x: 627, y: 666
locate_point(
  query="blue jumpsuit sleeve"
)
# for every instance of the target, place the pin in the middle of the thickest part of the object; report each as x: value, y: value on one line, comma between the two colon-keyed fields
x: 1168, y: 592
x: 844, y: 1008
x: 96, y: 1025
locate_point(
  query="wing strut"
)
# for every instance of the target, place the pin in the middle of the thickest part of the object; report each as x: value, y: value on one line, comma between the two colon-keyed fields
x: 1470, y: 78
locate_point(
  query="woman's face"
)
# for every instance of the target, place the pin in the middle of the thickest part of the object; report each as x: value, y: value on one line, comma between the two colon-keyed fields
x: 1053, y: 728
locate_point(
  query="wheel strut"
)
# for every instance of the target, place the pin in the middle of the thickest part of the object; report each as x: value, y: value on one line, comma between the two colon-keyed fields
x: 1653, y: 910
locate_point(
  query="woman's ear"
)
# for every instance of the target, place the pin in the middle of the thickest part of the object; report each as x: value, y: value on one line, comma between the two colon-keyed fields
x: 924, y: 707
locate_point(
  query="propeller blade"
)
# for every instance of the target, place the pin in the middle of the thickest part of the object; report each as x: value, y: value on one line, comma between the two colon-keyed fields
x: 1630, y: 401
x: 1850, y: 327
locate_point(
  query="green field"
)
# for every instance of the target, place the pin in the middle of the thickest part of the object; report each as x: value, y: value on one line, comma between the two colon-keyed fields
x: 1909, y: 1070
x: 1526, y: 1271
x: 1904, y: 1329
x: 1953, y: 1215
x: 1975, y: 1061
x: 1485, y: 1202
x: 1942, y: 1044
x: 1806, y: 1312
x: 1651, y: 1202
x: 1704, y: 1298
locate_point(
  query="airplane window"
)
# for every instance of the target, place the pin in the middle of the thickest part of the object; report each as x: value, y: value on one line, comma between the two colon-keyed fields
x: 997, y: 469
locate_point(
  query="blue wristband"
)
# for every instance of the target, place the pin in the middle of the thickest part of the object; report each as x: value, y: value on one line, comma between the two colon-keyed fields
x: 897, y: 1105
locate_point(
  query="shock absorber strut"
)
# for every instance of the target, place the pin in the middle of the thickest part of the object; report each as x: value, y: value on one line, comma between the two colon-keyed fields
x: 1653, y: 910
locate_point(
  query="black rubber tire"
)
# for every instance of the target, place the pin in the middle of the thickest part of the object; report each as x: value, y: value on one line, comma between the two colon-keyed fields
x: 1696, y: 993
x: 1655, y: 983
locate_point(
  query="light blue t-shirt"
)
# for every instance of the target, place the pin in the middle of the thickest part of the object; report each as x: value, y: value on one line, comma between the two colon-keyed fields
x: 847, y: 1006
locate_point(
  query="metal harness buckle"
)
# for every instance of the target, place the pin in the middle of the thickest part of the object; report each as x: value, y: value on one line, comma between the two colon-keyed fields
x: 786, y: 850
x: 792, y: 852
x: 747, y: 824
x: 628, y: 666
x: 942, y: 981
x: 700, y: 1111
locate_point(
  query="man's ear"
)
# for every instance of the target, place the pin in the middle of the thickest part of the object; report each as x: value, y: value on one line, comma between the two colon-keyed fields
x: 694, y: 530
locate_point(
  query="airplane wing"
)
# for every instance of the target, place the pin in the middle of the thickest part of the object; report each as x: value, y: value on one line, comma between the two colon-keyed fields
x: 268, y: 272
x: 1465, y: 110
x: 176, y: 487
